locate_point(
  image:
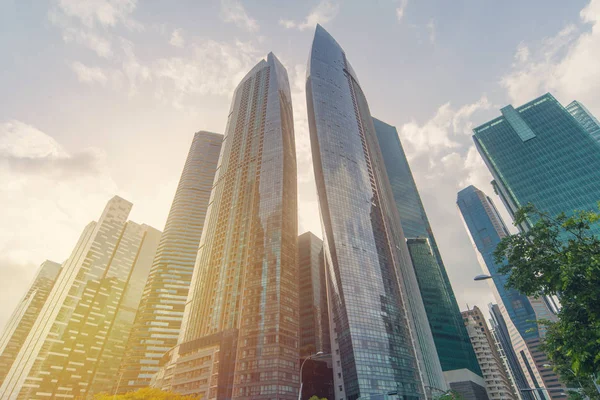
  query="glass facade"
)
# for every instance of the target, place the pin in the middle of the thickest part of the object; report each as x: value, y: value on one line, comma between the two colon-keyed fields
x: 158, y: 320
x: 585, y: 118
x: 246, y: 273
x: 374, y: 296
x: 500, y: 330
x: 314, y: 317
x: 449, y: 333
x: 76, y: 345
x: 557, y: 169
x: 18, y: 326
x: 486, y: 229
x: 496, y: 377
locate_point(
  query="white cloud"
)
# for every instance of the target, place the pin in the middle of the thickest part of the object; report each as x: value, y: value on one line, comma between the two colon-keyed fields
x: 234, y: 11
x: 431, y: 30
x: 324, y: 12
x: 566, y: 64
x: 210, y: 68
x: 106, y: 13
x: 400, y: 9
x: 177, y: 38
x: 87, y: 74
x: 41, y: 200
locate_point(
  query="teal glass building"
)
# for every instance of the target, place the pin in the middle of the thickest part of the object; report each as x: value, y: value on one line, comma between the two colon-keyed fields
x: 585, y: 118
x: 540, y: 153
x: 449, y: 333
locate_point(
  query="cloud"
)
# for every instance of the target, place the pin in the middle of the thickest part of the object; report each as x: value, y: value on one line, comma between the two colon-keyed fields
x: 324, y: 12
x: 48, y: 195
x: 177, y: 38
x: 210, y: 67
x: 104, y: 13
x: 234, y: 11
x: 400, y: 9
x: 87, y: 74
x: 431, y: 30
x: 566, y: 64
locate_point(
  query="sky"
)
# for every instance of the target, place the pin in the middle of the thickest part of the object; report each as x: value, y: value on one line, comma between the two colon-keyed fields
x: 102, y: 97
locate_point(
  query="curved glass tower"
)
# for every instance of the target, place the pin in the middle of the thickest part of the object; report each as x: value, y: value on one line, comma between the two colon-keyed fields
x: 246, y: 274
x: 380, y: 328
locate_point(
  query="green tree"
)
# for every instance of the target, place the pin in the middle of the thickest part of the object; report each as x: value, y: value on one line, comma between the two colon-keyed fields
x: 450, y: 395
x: 145, y: 394
x: 561, y: 256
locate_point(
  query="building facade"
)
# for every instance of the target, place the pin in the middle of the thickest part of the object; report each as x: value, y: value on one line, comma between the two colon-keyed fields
x: 75, y: 347
x: 381, y: 339
x: 317, y: 374
x: 158, y: 320
x: 585, y: 118
x: 496, y: 377
x: 539, y: 153
x: 23, y: 318
x: 246, y: 273
x: 457, y: 358
x: 314, y: 316
x: 486, y: 229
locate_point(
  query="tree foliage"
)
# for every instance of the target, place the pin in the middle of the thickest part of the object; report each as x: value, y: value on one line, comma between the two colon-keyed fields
x: 561, y: 256
x: 145, y: 394
x: 450, y: 395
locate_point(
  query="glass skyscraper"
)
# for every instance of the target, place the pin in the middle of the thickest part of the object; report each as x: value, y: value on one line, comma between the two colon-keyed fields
x: 246, y: 275
x: 449, y: 333
x: 314, y: 317
x: 486, y: 229
x: 382, y: 341
x: 585, y: 118
x: 159, y: 317
x: 76, y: 344
x: 19, y: 325
x: 540, y: 153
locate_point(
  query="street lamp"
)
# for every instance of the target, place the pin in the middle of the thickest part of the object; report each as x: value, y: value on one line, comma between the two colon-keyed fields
x: 319, y: 354
x: 482, y: 277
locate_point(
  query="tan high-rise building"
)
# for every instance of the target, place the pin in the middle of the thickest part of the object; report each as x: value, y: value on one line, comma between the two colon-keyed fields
x: 158, y: 320
x: 19, y: 325
x: 496, y: 377
x: 75, y: 347
x: 240, y: 330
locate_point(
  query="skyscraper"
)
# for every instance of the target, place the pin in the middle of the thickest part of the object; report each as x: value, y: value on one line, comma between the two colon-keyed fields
x: 499, y: 329
x: 496, y: 377
x: 585, y: 118
x: 18, y: 326
x: 455, y: 351
x: 539, y: 153
x: 245, y: 281
x: 486, y: 229
x: 158, y: 319
x: 317, y: 374
x: 314, y: 317
x: 382, y: 341
x: 75, y: 346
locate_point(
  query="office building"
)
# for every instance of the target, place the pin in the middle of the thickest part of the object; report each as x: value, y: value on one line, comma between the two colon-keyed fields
x: 497, y: 381
x: 317, y: 374
x: 539, y: 153
x: 314, y: 317
x: 22, y: 319
x: 75, y: 346
x: 159, y: 317
x: 454, y: 348
x: 499, y: 330
x: 246, y: 275
x: 486, y: 229
x: 381, y: 338
x: 585, y: 119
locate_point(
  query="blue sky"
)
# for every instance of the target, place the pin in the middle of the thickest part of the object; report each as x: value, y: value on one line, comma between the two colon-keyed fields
x: 102, y: 97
